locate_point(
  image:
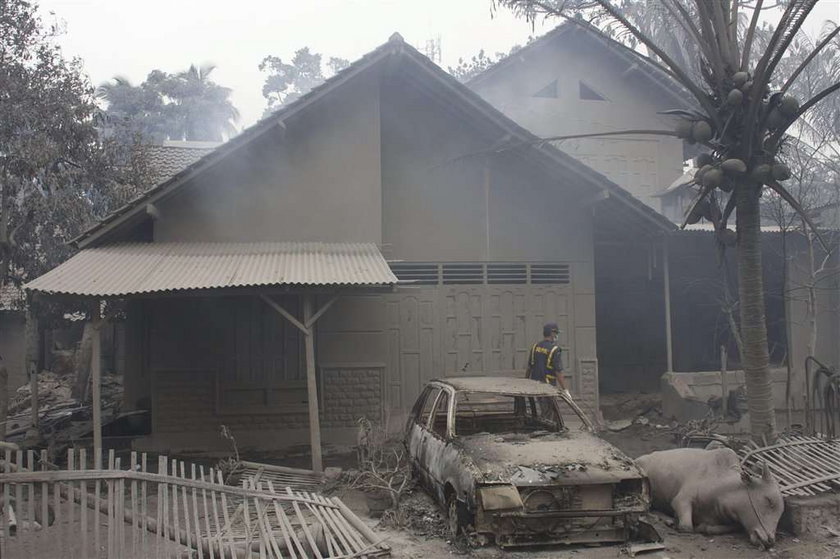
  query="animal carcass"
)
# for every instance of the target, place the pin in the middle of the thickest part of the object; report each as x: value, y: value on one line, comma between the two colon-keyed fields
x: 707, y: 491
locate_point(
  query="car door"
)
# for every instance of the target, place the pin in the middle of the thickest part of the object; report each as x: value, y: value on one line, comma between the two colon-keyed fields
x: 417, y: 432
x: 440, y: 455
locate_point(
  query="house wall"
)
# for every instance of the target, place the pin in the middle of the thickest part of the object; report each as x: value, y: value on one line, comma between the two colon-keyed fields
x: 13, y: 347
x: 826, y: 321
x: 234, y: 361
x: 630, y: 313
x: 446, y: 200
x: 201, y: 363
x: 325, y: 166
x: 643, y: 165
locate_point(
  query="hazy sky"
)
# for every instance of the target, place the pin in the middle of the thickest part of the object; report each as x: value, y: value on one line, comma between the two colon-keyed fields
x: 131, y: 37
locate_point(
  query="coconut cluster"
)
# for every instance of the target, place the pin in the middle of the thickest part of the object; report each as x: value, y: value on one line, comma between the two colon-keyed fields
x: 719, y: 169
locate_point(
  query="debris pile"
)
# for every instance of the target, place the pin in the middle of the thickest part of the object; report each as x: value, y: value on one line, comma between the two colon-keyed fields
x: 419, y: 515
x: 62, y: 419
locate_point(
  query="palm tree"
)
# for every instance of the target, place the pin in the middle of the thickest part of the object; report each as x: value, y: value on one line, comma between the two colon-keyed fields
x: 201, y: 107
x: 742, y: 112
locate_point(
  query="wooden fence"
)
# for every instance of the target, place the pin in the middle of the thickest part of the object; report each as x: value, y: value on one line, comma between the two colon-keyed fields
x: 802, y: 465
x: 141, y: 508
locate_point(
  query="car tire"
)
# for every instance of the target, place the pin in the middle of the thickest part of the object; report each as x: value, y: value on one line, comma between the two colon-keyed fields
x: 454, y: 524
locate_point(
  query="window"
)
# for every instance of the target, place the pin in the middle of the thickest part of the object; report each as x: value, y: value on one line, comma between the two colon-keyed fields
x: 482, y: 273
x: 441, y: 415
x: 485, y: 412
x: 550, y: 91
x: 426, y: 409
x: 589, y: 94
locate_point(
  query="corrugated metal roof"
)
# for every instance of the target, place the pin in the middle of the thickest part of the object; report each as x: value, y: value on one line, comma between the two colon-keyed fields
x: 127, y: 269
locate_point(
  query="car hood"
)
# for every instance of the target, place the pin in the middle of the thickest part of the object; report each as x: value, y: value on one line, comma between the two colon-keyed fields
x: 572, y: 457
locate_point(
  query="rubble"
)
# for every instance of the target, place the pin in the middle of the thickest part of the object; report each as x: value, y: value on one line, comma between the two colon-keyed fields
x: 62, y: 419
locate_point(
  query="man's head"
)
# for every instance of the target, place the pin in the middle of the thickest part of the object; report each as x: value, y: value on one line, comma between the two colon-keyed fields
x: 550, y: 331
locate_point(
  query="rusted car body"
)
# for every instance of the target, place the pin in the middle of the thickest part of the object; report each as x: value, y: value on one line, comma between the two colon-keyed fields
x: 511, y: 461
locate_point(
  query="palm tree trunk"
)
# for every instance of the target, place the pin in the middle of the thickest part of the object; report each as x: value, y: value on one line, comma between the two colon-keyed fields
x: 753, y: 325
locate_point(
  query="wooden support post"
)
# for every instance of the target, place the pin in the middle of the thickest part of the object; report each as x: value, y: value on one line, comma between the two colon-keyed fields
x: 666, y: 276
x: 96, y: 380
x: 312, y: 389
x: 31, y: 361
x: 724, y: 385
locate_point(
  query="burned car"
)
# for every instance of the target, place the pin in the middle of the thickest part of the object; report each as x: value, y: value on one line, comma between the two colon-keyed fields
x: 511, y: 461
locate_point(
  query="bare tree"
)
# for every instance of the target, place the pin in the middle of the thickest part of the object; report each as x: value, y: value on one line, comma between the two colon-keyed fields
x: 742, y: 110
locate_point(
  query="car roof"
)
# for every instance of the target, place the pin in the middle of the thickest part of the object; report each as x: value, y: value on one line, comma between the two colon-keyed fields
x: 500, y: 385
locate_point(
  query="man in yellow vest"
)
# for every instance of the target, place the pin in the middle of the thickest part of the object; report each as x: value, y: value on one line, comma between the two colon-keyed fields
x: 545, y: 363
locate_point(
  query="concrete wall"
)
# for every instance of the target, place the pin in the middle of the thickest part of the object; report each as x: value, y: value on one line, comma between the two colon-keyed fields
x: 317, y: 182
x: 642, y: 165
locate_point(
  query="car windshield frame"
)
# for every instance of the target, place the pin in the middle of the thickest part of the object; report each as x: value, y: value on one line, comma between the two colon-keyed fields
x: 528, y: 402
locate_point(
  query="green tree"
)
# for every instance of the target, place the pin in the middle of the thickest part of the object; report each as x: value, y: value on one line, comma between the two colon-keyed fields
x: 188, y: 105
x: 287, y: 82
x: 56, y: 175
x: 743, y: 110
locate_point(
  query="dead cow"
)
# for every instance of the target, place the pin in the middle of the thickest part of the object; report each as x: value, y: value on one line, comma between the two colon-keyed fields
x: 708, y: 491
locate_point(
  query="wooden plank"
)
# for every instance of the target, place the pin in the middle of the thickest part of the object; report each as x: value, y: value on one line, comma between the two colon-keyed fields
x: 71, y: 504
x: 159, y: 516
x: 185, y: 504
x: 111, y: 515
x: 144, y: 505
x: 7, y: 506
x: 97, y: 464
x: 196, y: 525
x: 45, y: 497
x: 348, y: 530
x: 84, y: 509
x: 105, y: 475
x: 267, y: 539
x: 135, y: 521
x: 304, y: 524
x: 223, y: 497
x: 60, y: 520
x: 175, y: 515
x: 207, y: 531
x: 19, y: 508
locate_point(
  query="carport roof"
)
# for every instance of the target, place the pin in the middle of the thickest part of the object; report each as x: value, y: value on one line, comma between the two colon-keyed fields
x: 141, y: 268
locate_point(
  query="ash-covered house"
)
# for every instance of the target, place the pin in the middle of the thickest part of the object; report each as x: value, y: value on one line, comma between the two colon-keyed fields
x: 576, y: 80
x: 413, y: 229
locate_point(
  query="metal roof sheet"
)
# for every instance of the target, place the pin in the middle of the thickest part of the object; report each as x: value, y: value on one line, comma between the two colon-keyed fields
x: 136, y: 268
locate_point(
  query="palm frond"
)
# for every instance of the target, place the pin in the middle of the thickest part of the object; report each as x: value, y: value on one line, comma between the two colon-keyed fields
x: 814, y: 52
x: 794, y: 203
x: 748, y: 39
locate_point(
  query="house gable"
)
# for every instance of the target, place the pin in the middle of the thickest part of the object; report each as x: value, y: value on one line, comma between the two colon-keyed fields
x: 598, y: 88
x: 315, y: 179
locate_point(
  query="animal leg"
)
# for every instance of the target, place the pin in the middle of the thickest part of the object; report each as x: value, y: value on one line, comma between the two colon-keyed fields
x: 682, y: 512
x: 715, y: 529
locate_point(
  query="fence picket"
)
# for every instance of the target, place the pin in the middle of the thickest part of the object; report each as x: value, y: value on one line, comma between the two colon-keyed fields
x: 20, y: 533
x: 97, y: 489
x: 84, y: 509
x: 71, y: 505
x: 143, y: 504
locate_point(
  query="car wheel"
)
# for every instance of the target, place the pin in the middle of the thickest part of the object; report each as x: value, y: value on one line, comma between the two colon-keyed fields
x: 453, y: 519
